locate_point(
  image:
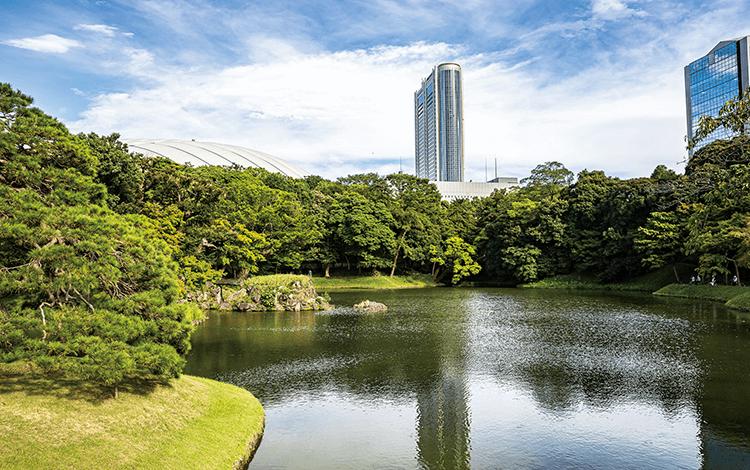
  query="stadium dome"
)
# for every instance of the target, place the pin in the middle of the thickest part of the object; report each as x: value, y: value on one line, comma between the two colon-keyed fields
x: 206, y: 153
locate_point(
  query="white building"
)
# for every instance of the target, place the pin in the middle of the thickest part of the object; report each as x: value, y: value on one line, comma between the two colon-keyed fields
x: 206, y: 153
x: 439, y: 125
x: 452, y: 190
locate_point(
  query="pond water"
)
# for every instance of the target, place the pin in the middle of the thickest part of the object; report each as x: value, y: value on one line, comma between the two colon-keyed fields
x: 491, y: 379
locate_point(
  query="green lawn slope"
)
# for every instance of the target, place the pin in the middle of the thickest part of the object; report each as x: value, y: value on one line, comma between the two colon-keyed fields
x: 191, y: 423
x: 650, y: 282
x: 373, y: 282
x: 733, y: 296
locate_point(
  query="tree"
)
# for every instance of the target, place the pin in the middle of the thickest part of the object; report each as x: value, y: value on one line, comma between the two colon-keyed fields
x: 457, y: 255
x: 89, y: 293
x: 522, y: 239
x: 362, y: 230
x: 661, y: 240
x: 603, y: 220
x: 37, y: 152
x: 416, y: 210
x: 733, y: 116
x: 117, y: 169
x: 234, y: 247
x: 547, y: 179
x: 83, y: 290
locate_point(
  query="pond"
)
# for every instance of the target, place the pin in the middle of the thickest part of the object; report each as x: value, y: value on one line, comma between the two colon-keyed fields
x: 491, y: 378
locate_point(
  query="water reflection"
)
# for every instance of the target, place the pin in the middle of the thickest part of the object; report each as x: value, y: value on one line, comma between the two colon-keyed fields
x: 491, y: 378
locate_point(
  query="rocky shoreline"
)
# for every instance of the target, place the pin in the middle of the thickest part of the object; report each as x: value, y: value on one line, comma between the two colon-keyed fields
x: 242, y: 295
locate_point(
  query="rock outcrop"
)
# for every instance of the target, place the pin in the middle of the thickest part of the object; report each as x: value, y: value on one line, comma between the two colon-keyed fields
x: 250, y: 298
x: 369, y: 306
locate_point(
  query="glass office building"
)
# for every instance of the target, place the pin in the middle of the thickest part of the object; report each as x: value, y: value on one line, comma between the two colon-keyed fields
x: 711, y: 81
x: 439, y: 126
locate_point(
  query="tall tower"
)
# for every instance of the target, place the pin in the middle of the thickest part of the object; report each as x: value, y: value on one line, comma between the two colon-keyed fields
x: 439, y: 125
x: 711, y: 81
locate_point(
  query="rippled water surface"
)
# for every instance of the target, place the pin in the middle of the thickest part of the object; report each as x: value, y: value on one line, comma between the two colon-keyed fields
x: 491, y: 378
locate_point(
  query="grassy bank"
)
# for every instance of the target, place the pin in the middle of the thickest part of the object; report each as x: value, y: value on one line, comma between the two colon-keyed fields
x: 733, y: 296
x: 650, y: 282
x: 191, y: 423
x: 373, y: 282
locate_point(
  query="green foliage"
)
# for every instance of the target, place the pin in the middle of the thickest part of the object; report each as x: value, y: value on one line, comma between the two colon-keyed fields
x: 37, y: 152
x: 521, y: 238
x: 603, y: 220
x: 195, y: 273
x: 234, y: 247
x: 118, y: 170
x: 457, y: 256
x: 548, y: 179
x: 362, y: 230
x: 459, y: 253
x: 268, y: 298
x: 90, y: 293
x: 661, y: 239
x: 733, y: 116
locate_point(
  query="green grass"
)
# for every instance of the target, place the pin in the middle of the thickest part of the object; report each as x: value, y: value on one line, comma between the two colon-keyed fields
x: 733, y: 296
x: 650, y: 282
x: 373, y: 282
x: 276, y: 280
x: 190, y: 422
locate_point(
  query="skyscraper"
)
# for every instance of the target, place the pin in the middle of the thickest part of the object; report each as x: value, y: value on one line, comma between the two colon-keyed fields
x: 439, y: 125
x: 711, y: 81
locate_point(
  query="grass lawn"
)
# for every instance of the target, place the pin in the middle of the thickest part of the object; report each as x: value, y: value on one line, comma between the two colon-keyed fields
x: 650, y: 282
x: 373, y: 282
x: 734, y: 296
x: 190, y: 423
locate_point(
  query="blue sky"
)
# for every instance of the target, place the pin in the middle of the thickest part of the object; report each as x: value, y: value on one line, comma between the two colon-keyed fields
x: 329, y: 86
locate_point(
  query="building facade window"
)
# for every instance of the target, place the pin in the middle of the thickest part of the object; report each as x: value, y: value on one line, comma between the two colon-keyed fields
x: 438, y: 125
x: 713, y: 80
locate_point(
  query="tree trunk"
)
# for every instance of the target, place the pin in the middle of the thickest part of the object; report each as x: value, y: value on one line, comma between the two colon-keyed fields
x: 395, y: 260
x: 736, y: 271
x: 328, y: 267
x: 398, y: 250
x: 117, y: 394
x: 674, y: 267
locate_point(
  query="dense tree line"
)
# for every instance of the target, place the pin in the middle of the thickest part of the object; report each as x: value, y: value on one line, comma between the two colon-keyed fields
x: 83, y: 290
x: 97, y: 244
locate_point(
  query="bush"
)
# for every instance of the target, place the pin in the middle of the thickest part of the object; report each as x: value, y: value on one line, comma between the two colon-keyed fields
x: 268, y: 298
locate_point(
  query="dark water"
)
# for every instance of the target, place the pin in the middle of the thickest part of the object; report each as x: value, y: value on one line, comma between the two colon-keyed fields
x: 491, y: 379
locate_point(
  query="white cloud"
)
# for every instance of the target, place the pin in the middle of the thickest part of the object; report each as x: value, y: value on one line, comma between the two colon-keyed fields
x: 46, y: 43
x: 97, y: 28
x: 613, y: 10
x: 350, y: 112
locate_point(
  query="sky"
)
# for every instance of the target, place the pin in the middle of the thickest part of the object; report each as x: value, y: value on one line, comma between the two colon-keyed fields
x: 329, y: 85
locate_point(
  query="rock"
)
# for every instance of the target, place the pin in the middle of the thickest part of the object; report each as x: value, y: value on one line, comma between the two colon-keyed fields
x: 237, y: 295
x: 369, y: 306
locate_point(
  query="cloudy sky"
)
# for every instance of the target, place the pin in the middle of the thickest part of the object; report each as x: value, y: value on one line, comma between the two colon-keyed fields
x: 329, y: 85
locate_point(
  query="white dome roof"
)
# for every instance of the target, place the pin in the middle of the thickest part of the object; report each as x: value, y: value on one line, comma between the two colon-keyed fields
x: 207, y: 153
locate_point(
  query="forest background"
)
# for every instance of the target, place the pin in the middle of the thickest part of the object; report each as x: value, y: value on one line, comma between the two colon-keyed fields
x: 98, y: 240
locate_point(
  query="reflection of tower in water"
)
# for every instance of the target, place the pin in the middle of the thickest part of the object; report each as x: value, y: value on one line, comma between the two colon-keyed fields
x: 443, y: 414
